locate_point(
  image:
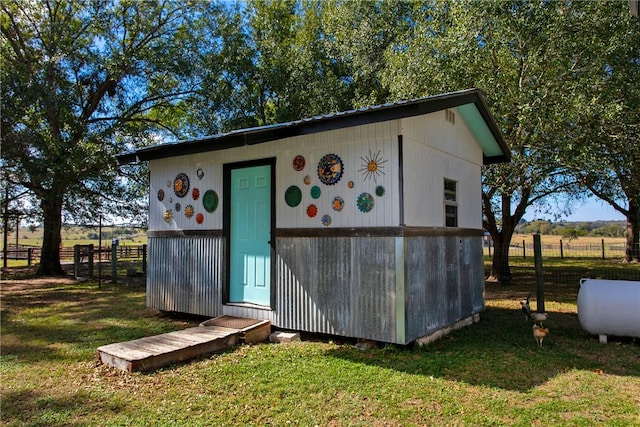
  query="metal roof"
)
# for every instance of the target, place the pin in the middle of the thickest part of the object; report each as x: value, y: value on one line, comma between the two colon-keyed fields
x: 470, y: 103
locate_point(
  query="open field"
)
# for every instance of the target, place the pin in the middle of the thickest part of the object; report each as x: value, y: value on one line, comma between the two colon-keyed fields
x: 491, y: 373
x: 79, y: 236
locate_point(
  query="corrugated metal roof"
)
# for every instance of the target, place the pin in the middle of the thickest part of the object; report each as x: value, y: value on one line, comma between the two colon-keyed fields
x: 499, y: 152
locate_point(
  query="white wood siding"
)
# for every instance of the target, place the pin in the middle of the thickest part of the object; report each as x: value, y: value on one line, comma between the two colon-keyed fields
x: 352, y: 145
x: 434, y: 149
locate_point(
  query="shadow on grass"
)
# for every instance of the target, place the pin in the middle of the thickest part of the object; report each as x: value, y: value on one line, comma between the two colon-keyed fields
x: 69, y: 321
x: 500, y: 351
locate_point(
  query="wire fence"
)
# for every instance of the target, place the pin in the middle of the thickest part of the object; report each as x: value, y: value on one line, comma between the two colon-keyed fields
x: 562, y: 249
x: 565, y: 263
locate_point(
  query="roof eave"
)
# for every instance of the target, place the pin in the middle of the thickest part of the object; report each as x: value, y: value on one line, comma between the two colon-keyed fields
x: 325, y: 123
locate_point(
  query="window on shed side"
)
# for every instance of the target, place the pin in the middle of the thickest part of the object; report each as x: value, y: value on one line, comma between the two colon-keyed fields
x: 450, y: 203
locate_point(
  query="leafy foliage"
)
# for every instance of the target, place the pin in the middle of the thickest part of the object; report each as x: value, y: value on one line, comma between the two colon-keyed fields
x: 88, y: 80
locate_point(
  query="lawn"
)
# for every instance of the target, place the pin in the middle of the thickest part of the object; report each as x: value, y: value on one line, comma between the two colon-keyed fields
x: 491, y: 373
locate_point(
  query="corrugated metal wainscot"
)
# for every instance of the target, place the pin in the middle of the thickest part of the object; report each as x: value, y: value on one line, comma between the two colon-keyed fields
x: 186, y: 274
x: 444, y: 282
x: 337, y: 285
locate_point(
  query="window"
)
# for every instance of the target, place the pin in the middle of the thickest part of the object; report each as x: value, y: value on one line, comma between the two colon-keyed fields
x: 450, y: 203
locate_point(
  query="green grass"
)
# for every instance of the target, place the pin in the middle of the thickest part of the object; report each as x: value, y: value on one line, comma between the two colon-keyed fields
x: 491, y: 373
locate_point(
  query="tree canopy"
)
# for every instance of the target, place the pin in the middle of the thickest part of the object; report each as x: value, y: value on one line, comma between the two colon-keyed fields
x: 83, y: 81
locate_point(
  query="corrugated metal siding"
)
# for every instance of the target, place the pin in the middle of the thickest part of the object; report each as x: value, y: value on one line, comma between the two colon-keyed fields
x: 185, y: 274
x: 340, y: 285
x: 444, y: 282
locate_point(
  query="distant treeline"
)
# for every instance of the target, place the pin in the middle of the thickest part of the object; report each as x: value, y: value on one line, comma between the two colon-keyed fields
x: 573, y: 229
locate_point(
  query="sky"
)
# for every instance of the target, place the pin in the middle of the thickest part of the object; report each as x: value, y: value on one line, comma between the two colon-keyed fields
x: 592, y: 210
x: 587, y: 210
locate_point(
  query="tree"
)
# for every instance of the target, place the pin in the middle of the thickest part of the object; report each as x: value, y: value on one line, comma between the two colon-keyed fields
x: 520, y: 54
x: 87, y: 80
x: 358, y: 36
x: 603, y: 152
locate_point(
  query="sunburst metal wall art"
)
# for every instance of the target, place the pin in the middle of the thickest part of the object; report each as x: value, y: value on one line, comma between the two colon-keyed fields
x: 372, y: 166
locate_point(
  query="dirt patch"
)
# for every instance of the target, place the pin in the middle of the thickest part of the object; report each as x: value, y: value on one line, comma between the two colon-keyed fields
x: 17, y: 279
x: 23, y: 278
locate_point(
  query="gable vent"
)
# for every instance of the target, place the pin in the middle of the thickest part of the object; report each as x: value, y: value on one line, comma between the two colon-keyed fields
x: 450, y: 116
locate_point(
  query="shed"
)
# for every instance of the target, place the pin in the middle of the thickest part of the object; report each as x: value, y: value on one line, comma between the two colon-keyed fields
x: 365, y: 223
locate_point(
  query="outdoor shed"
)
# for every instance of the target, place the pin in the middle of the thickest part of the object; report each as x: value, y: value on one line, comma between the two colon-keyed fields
x: 366, y: 223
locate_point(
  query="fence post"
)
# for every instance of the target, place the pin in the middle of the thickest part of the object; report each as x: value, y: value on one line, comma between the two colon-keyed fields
x: 76, y: 260
x: 561, y: 250
x: 90, y: 258
x: 29, y: 257
x: 524, y: 249
x: 537, y: 256
x: 114, y: 262
x: 602, y: 248
x: 144, y: 258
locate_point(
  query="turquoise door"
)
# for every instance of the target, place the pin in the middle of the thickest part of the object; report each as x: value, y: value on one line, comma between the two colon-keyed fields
x: 250, y: 235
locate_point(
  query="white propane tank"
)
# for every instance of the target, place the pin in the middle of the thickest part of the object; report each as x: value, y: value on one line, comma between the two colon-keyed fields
x: 609, y: 307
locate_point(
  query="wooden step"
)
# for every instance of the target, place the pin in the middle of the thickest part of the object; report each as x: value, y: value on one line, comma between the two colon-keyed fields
x: 252, y: 331
x: 150, y: 353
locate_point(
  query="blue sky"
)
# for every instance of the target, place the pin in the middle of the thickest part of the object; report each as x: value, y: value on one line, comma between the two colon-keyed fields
x: 587, y: 210
x: 592, y: 210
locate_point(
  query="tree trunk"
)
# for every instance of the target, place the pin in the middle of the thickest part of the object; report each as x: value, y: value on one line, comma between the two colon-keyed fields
x: 632, y: 249
x: 500, y: 269
x: 52, y: 237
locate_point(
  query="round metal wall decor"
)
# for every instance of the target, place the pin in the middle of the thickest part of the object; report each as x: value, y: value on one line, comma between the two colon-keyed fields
x: 195, y: 193
x: 178, y: 207
x: 338, y: 203
x: 200, y: 173
x: 365, y: 202
x: 181, y: 185
x: 380, y: 191
x: 161, y: 194
x: 315, y: 192
x: 326, y: 220
x: 210, y: 201
x: 312, y: 211
x: 307, y: 180
x: 167, y: 215
x: 298, y: 163
x: 189, y: 211
x: 293, y: 196
x: 199, y: 218
x: 330, y: 169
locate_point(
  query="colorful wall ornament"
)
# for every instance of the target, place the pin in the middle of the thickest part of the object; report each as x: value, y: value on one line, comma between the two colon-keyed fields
x: 372, y: 166
x: 338, y: 203
x: 210, y: 201
x: 330, y: 169
x: 315, y: 192
x: 181, y: 185
x: 298, y: 163
x: 365, y: 202
x: 293, y: 196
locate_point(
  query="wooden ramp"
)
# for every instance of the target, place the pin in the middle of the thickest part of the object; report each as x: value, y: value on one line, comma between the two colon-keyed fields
x: 149, y: 353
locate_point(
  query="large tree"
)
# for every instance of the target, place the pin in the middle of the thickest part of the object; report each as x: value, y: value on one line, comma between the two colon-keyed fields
x: 521, y: 54
x: 603, y: 150
x: 81, y: 81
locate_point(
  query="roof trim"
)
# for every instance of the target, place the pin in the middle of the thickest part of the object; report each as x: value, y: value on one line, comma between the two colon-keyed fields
x: 374, y: 114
